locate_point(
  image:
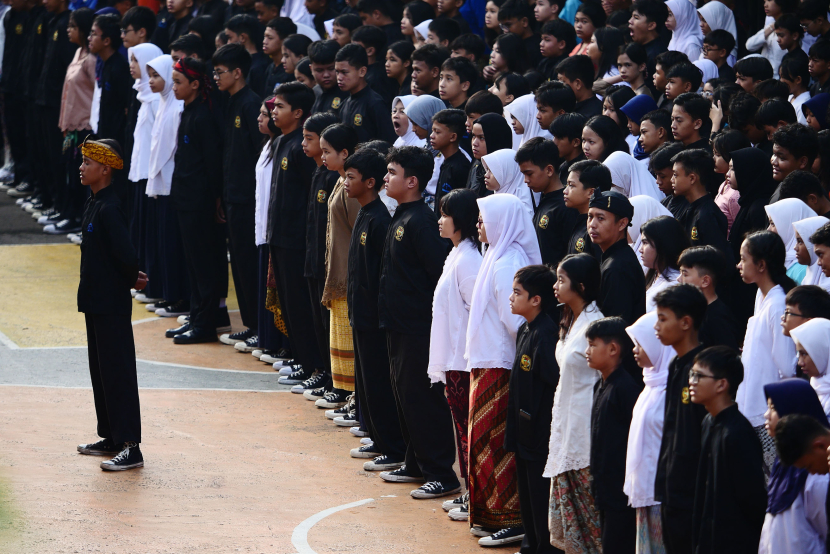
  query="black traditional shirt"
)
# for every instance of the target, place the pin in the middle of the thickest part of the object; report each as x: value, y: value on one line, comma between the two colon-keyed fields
x: 365, y: 258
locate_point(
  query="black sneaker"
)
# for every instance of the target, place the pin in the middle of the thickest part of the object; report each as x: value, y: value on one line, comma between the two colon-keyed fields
x: 318, y: 393
x: 334, y: 399
x: 299, y: 375
x: 63, y: 227
x: 170, y: 333
x: 382, y: 463
x: 233, y: 338
x: 434, y: 489
x: 248, y: 345
x: 174, y: 309
x: 104, y: 447
x: 338, y: 412
x: 128, y: 458
x: 460, y: 514
x: 503, y: 536
x: 400, y: 475
x: 365, y: 451
x: 347, y: 420
x: 456, y: 502
x: 316, y: 381
x: 21, y: 191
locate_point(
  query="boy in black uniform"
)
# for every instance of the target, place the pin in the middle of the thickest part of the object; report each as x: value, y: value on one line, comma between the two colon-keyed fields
x: 116, y: 82
x: 365, y: 170
x: 447, y: 130
x: 196, y: 189
x: 277, y: 30
x: 330, y: 98
x: 109, y: 268
x: 530, y: 400
x: 59, y: 54
x: 585, y: 178
x: 240, y: 152
x: 623, y: 289
x: 413, y: 260
x: 662, y: 167
x: 731, y: 494
x: 554, y: 222
x: 680, y: 311
x: 365, y: 110
x: 373, y: 40
x: 286, y: 234
x: 614, y: 397
x: 246, y: 30
x: 15, y: 23
x: 567, y: 136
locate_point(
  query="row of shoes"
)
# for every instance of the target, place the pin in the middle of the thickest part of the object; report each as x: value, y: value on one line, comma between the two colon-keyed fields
x: 31, y: 202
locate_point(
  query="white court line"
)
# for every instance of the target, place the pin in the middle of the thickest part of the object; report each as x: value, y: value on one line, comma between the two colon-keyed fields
x: 7, y: 342
x: 299, y: 538
x: 140, y: 388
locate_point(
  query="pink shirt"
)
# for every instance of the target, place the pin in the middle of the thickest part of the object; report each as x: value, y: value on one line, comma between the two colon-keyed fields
x: 727, y: 201
x: 77, y: 92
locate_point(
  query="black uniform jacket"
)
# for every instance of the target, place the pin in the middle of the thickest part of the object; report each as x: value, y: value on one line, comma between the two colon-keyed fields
x: 322, y: 183
x: 554, y: 224
x: 365, y: 257
x: 368, y: 114
x: 197, y: 176
x: 623, y: 289
x: 242, y: 146
x: 452, y: 175
x: 59, y: 54
x: 330, y: 100
x: 116, y: 87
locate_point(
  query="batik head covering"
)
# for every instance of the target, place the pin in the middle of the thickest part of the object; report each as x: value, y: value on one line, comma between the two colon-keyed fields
x: 524, y: 110
x: 102, y: 153
x: 687, y: 36
x: 783, y: 214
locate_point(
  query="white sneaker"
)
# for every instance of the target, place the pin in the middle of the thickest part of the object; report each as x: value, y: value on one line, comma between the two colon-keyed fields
x: 182, y: 319
x: 366, y: 440
x: 257, y: 354
x: 358, y: 432
x: 459, y: 514
x: 456, y: 502
x: 284, y: 369
x: 141, y: 297
x: 149, y: 307
x: 133, y: 292
x: 503, y: 536
x: 76, y: 238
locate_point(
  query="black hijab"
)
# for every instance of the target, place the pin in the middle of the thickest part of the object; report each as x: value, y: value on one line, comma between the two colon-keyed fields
x: 497, y: 133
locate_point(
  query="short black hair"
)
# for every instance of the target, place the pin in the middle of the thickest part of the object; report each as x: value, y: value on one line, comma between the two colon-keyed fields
x: 517, y: 9
x: 430, y: 54
x: 790, y: 22
x: 662, y: 156
x: 774, y: 110
x: 793, y: 67
x: 514, y: 83
x: 800, y: 140
x: 688, y: 72
x: 483, y: 102
x: 140, y: 17
x: 698, y: 161
x: 416, y: 162
x: 190, y: 44
x: 537, y: 280
x: 568, y: 126
x: 354, y: 55
x: 821, y: 236
x: 560, y: 30
x: 462, y: 206
x: 704, y: 259
x: 380, y: 146
x: 445, y: 29
x: 724, y: 363
x: 801, y: 184
x: 83, y: 18
x: 317, y: 123
x: 821, y: 49
x: 402, y: 49
x: 248, y: 24
x: 350, y: 21
x: 720, y: 39
x: 341, y: 137
x: 742, y: 110
x: 296, y: 95
x: 610, y: 329
x: 297, y: 45
x: 556, y: 95
x: 470, y: 43
x: 371, y: 36
x: 756, y: 68
x: 284, y: 26
x: 323, y: 52
x: 812, y: 9
x: 577, y: 67
x: 729, y: 140
x: 592, y: 174
x: 669, y: 59
x: 594, y: 12
x: 795, y: 433
x: 204, y: 28
x: 771, y: 89
x: 683, y: 300
x: 454, y: 120
x: 110, y: 25
x: 369, y: 6
x: 539, y: 152
x: 463, y: 68
x: 234, y: 56
x: 655, y: 11
x: 661, y: 119
x: 695, y: 105
x: 812, y: 301
x: 369, y: 163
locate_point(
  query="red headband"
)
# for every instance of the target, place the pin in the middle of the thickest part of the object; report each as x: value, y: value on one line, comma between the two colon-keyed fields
x: 194, y: 75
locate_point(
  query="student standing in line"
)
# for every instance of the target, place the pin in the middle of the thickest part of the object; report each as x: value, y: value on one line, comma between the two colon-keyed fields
x: 364, y: 110
x: 585, y: 179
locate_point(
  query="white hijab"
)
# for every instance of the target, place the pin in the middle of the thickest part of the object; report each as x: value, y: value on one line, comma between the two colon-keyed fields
x: 509, y: 228
x: 524, y: 110
x: 814, y: 337
x: 631, y: 177
x: 805, y: 228
x: 783, y: 214
x: 708, y: 68
x: 718, y: 16
x: 645, y: 208
x: 503, y: 166
x: 140, y: 158
x: 687, y: 36
x: 647, y: 418
x: 165, y: 131
x: 422, y: 28
x: 409, y: 138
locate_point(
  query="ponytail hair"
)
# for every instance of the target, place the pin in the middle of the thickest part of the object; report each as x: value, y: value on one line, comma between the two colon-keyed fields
x: 585, y: 276
x: 768, y: 246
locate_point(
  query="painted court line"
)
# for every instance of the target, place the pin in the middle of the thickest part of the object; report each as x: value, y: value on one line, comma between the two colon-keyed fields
x: 299, y: 538
x: 141, y: 388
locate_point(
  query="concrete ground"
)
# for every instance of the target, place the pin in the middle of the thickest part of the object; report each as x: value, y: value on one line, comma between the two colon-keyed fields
x: 234, y: 462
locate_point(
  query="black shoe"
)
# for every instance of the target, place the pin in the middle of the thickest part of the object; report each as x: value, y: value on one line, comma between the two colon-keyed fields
x: 233, y: 338
x: 128, y: 458
x: 503, y: 536
x: 436, y: 489
x: 104, y: 447
x: 171, y: 333
x: 195, y: 336
x: 316, y: 381
x: 333, y: 399
x: 400, y: 475
x: 21, y: 191
x: 63, y: 227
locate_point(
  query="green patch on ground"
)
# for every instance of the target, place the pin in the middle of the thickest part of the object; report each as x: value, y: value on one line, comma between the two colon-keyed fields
x: 11, y: 524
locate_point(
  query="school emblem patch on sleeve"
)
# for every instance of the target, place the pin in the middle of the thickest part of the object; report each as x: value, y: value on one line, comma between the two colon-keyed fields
x: 358, y: 120
x: 321, y: 195
x: 55, y: 36
x: 40, y: 28
x: 237, y: 122
x: 18, y: 29
x: 685, y: 395
x: 399, y: 233
x: 363, y: 238
x: 526, y: 362
x: 580, y: 245
x: 543, y: 222
x: 694, y: 233
x: 283, y: 163
x: 335, y: 104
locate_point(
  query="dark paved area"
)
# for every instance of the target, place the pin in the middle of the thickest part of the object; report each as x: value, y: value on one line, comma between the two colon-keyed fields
x: 18, y: 227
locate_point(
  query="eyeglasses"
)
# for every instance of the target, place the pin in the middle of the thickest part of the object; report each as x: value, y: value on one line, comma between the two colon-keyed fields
x: 788, y: 313
x: 127, y: 31
x: 803, y: 26
x: 505, y: 26
x: 696, y: 376
x: 707, y: 94
x: 218, y: 74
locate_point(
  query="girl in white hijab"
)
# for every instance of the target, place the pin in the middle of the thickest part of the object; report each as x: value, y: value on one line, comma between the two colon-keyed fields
x: 165, y: 128
x: 421, y: 32
x: 686, y: 35
x: 491, y: 347
x: 503, y: 176
x: 139, y: 56
x: 708, y: 68
x: 645, y: 208
x: 522, y: 112
x: 420, y: 111
x: 631, y: 177
x: 715, y: 15
x: 805, y: 253
x: 812, y: 342
x: 402, y: 125
x: 782, y: 215
x: 646, y: 431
